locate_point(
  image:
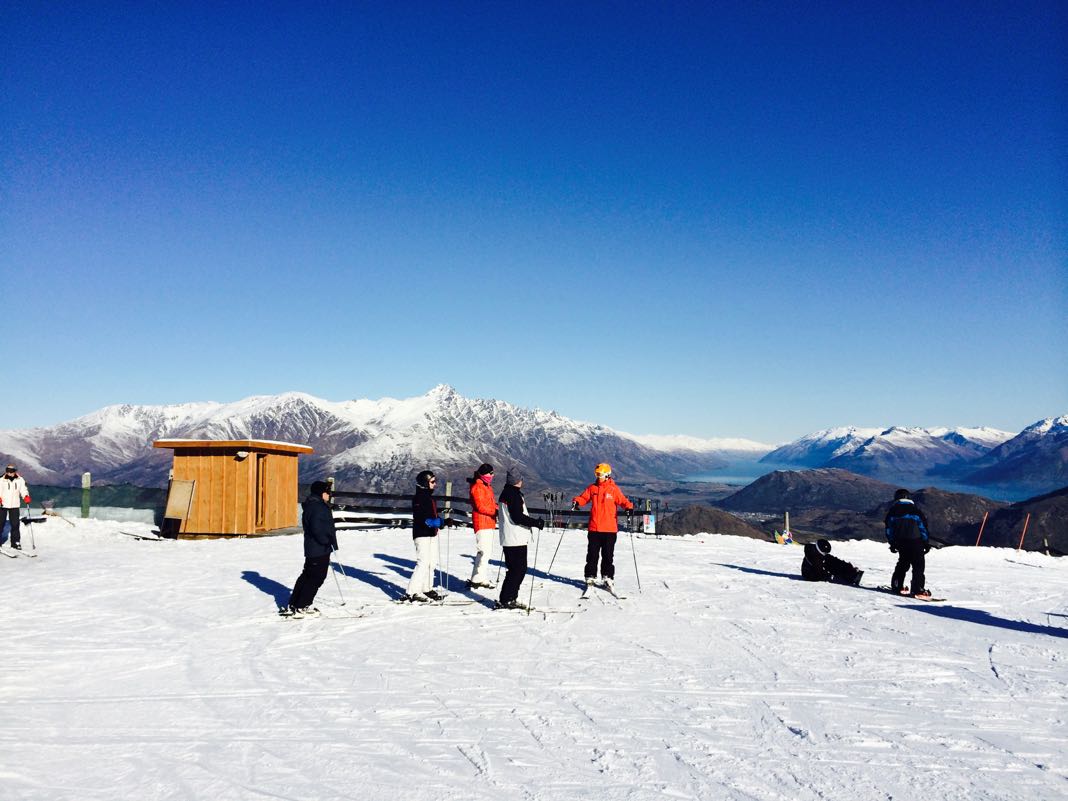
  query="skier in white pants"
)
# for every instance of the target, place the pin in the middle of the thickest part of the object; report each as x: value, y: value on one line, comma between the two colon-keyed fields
x: 426, y: 523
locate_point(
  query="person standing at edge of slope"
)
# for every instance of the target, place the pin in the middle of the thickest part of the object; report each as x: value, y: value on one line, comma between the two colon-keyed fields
x: 516, y: 527
x: 906, y: 531
x: 320, y: 540
x: 605, y: 498
x: 426, y: 524
x: 13, y: 492
x: 484, y: 522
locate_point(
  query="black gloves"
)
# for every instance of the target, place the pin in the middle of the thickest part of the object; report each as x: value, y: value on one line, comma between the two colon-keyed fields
x: 540, y: 523
x: 574, y: 506
x: 893, y: 549
x: 926, y: 547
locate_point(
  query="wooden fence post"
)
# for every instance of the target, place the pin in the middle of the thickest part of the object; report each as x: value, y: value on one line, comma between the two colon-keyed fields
x: 87, y: 482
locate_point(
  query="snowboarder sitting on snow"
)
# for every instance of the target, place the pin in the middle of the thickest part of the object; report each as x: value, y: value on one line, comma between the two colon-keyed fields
x: 484, y: 522
x: 320, y: 540
x: 603, y: 496
x: 13, y: 492
x: 906, y: 531
x: 819, y: 565
x: 516, y: 526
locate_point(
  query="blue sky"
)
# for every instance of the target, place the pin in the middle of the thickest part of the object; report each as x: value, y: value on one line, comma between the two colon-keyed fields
x: 752, y: 219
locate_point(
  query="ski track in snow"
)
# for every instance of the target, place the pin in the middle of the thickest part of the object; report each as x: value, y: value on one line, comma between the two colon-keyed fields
x: 159, y: 671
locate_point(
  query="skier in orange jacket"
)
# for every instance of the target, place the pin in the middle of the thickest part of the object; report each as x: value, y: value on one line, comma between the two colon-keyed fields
x: 606, y: 498
x: 484, y: 522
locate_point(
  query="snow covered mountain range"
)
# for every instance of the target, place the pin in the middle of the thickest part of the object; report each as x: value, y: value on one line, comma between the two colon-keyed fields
x: 369, y: 444
x: 380, y: 444
x: 1037, y: 457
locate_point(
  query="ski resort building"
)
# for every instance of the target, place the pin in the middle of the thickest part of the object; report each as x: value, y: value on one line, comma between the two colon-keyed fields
x: 231, y: 488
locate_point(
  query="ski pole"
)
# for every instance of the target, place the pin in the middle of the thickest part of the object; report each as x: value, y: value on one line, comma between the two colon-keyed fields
x: 533, y: 567
x: 29, y: 525
x: 552, y: 512
x: 634, y: 553
x: 338, y: 583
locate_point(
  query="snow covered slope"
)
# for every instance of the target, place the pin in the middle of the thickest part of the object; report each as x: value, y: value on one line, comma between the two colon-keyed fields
x: 724, y: 678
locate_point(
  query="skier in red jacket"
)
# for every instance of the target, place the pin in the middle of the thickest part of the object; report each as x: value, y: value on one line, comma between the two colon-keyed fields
x: 605, y: 498
x: 484, y: 522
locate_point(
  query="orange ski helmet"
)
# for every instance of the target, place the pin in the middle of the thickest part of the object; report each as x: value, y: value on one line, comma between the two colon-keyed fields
x: 603, y: 470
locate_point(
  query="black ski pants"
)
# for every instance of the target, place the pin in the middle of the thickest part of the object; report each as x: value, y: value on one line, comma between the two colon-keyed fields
x: 12, y: 516
x: 515, y: 560
x: 909, y: 554
x: 309, y: 581
x: 841, y: 571
x: 601, y: 544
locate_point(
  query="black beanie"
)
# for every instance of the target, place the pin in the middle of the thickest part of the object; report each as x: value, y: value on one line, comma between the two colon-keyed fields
x: 901, y: 495
x: 484, y: 470
x: 824, y: 546
x: 319, y: 487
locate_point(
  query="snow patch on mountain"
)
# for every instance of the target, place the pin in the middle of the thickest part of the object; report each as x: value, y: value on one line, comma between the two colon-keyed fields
x: 682, y: 442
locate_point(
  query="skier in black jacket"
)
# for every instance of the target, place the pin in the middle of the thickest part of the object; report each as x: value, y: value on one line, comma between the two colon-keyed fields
x: 426, y: 523
x: 320, y: 540
x: 906, y: 531
x: 819, y: 565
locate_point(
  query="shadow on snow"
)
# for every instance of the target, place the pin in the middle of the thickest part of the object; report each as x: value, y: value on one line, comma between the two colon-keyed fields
x: 759, y: 572
x: 987, y: 619
x: 280, y: 592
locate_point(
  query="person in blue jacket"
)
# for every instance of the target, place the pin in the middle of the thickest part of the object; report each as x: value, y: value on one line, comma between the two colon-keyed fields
x: 906, y: 531
x: 320, y: 540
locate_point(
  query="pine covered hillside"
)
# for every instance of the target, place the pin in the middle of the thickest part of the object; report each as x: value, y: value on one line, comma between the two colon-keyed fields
x: 370, y: 445
x: 696, y: 519
x: 839, y: 505
x: 792, y: 490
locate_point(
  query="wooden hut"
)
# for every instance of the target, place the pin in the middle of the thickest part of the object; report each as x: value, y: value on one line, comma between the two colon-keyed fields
x: 233, y: 487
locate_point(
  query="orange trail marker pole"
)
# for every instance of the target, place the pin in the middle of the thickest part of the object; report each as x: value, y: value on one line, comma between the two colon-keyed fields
x: 1026, y: 521
x: 981, y: 527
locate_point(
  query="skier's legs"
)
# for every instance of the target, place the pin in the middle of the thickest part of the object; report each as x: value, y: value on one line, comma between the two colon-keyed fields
x: 897, y: 581
x: 483, y: 551
x: 593, y: 551
x: 515, y: 559
x: 917, y: 561
x: 309, y: 581
x: 13, y: 519
x: 432, y: 564
x: 608, y: 552
x: 421, y: 573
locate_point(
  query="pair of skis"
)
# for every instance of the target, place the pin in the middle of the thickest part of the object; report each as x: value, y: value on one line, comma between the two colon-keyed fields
x: 15, y: 553
x: 610, y: 590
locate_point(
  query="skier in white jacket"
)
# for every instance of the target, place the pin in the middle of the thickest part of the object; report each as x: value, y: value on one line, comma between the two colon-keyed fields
x: 516, y: 526
x: 13, y: 492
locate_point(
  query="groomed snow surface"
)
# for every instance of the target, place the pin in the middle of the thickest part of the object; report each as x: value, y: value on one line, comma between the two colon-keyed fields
x: 159, y: 670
